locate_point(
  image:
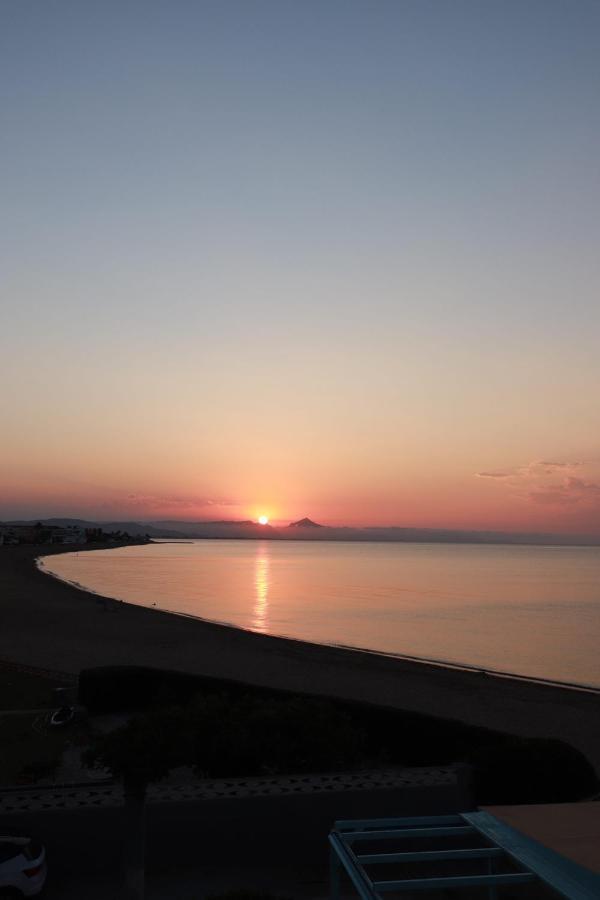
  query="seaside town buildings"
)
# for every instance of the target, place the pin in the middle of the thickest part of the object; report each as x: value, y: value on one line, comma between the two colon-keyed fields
x: 41, y: 534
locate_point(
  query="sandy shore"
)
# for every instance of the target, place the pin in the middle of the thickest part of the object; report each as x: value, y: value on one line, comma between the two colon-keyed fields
x: 47, y: 623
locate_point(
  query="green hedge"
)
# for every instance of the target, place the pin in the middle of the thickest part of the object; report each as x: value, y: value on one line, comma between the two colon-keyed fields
x: 243, y: 730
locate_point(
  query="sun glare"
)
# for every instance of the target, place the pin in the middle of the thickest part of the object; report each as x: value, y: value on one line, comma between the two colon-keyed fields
x: 263, y: 520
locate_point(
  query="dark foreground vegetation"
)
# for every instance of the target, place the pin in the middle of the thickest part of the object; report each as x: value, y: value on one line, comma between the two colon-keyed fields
x: 225, y: 729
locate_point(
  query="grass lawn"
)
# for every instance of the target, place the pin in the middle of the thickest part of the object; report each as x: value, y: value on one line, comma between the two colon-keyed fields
x: 26, y: 690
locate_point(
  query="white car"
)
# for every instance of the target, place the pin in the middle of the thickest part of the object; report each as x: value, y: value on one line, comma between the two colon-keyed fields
x: 22, y: 867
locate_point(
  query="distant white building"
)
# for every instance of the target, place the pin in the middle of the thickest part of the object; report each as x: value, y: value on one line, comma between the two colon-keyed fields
x: 70, y: 535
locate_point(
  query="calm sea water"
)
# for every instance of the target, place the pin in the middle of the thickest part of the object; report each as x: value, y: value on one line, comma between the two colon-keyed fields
x: 532, y: 611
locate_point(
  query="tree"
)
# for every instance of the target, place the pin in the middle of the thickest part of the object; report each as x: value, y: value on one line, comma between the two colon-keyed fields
x: 138, y: 753
x: 219, y: 734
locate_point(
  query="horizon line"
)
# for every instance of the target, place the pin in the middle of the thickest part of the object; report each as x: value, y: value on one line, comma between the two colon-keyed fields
x: 284, y: 523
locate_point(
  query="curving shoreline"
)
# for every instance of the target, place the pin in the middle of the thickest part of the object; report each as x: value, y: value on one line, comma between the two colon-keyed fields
x: 437, y: 663
x: 52, y: 624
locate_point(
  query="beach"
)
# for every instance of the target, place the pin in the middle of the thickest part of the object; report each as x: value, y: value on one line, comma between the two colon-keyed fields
x: 52, y: 625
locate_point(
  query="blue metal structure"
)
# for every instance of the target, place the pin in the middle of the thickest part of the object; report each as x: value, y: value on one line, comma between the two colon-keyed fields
x: 472, y: 841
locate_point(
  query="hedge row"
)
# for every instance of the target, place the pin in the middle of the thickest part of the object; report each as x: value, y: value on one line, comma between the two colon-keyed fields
x: 252, y: 730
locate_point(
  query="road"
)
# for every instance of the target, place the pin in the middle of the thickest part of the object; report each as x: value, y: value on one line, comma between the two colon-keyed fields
x: 194, y: 849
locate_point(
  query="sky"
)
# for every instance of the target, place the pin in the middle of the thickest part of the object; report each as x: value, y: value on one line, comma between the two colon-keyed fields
x: 289, y: 257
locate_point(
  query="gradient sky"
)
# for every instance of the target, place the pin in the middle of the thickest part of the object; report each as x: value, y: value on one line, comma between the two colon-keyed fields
x: 337, y: 259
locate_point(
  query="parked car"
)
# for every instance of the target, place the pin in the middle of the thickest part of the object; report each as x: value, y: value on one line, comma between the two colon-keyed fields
x: 22, y: 867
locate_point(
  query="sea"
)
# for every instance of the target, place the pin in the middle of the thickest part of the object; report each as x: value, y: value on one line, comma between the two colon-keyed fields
x: 531, y: 611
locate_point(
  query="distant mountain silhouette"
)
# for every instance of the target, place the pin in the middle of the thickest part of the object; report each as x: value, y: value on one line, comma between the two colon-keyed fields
x: 202, y: 523
x: 304, y: 523
x: 216, y: 529
x: 307, y: 530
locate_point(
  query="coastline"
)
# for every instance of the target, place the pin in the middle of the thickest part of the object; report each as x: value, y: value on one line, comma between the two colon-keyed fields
x: 429, y: 661
x: 49, y: 623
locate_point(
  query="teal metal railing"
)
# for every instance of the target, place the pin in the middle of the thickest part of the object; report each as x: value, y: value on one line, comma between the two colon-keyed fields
x: 500, y: 847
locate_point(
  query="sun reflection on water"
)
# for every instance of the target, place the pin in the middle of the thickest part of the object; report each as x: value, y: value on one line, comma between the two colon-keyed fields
x: 260, y: 611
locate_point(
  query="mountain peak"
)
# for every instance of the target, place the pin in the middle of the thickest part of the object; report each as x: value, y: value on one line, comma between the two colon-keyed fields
x: 304, y: 523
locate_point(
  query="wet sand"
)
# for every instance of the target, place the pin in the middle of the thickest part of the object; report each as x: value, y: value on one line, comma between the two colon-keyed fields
x: 52, y: 625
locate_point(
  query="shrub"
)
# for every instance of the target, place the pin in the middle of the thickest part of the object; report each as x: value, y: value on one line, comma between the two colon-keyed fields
x: 230, y: 728
x: 531, y: 771
x: 253, y: 735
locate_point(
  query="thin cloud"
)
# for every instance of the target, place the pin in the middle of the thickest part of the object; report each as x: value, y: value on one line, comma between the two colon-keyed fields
x: 542, y: 467
x: 572, y: 490
x: 161, y: 501
x: 559, y: 465
x: 549, y: 482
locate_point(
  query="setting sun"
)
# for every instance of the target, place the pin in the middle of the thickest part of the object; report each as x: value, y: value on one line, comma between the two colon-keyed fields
x: 263, y: 520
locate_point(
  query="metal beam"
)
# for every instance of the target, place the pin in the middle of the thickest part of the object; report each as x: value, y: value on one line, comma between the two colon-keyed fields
x: 354, y: 871
x: 349, y: 837
x: 458, y: 881
x: 430, y: 855
x: 363, y: 824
